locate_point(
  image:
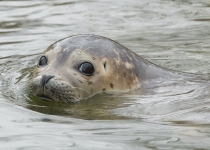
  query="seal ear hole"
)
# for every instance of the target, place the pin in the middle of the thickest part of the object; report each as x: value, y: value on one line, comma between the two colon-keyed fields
x: 105, y: 66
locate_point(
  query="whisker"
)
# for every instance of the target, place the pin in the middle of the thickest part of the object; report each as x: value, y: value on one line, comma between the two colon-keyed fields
x: 80, y: 89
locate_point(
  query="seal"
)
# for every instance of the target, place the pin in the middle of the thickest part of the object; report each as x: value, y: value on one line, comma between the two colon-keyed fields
x: 77, y: 67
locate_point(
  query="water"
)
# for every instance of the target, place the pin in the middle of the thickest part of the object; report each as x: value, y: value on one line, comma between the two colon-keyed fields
x: 172, y: 34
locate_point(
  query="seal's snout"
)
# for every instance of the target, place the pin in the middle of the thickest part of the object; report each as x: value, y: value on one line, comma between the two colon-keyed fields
x: 45, y: 79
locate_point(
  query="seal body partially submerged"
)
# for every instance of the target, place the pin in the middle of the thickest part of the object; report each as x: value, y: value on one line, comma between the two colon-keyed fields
x: 80, y: 66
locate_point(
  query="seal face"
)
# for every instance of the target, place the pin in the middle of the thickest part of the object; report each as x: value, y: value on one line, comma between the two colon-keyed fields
x: 80, y: 66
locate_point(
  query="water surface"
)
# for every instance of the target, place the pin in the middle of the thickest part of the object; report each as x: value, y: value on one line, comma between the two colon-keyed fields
x: 172, y: 34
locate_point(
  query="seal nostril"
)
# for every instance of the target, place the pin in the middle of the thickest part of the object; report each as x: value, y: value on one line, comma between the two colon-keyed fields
x: 45, y: 79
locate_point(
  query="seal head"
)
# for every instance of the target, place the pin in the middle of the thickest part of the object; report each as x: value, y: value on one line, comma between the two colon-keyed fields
x: 80, y: 66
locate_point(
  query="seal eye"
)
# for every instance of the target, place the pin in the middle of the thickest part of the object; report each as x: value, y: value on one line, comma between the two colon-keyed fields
x: 86, y: 68
x: 42, y: 61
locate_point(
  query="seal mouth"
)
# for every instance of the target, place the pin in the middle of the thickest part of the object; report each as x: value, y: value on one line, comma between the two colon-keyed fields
x: 44, y: 97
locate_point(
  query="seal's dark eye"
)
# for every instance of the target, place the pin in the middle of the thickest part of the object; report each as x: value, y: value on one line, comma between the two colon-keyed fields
x: 86, y: 68
x: 42, y: 61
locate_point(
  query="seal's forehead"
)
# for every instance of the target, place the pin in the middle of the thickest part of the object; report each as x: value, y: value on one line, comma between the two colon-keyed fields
x: 89, y: 45
x: 86, y: 43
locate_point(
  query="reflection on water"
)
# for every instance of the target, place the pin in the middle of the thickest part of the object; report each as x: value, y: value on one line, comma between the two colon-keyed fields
x: 173, y: 34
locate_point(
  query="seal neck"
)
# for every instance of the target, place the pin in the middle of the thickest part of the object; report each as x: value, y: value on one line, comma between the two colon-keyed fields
x: 149, y: 71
